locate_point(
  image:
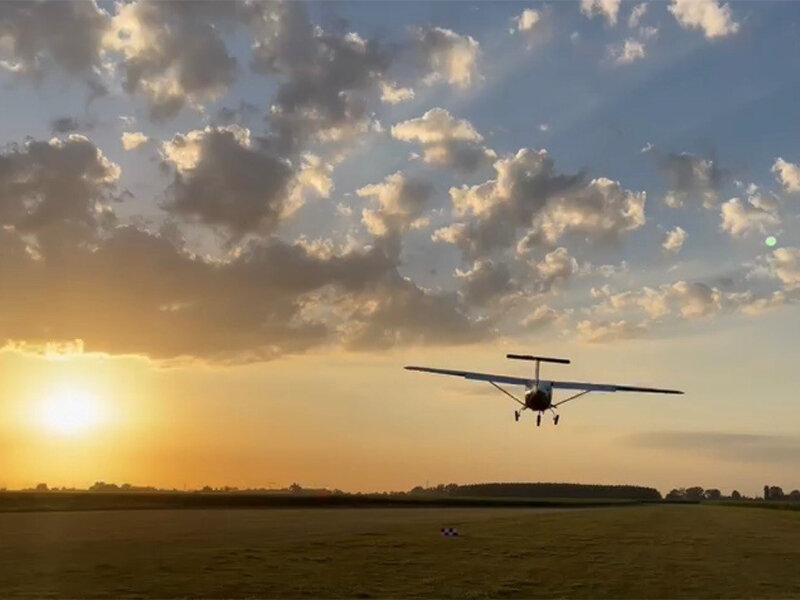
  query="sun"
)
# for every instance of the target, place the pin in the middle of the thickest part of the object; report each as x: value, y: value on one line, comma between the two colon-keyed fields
x: 70, y: 411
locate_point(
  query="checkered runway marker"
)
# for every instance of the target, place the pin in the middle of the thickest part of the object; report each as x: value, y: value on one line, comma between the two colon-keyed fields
x: 449, y: 532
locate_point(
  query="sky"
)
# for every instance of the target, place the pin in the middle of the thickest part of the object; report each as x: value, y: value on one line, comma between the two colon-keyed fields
x: 225, y: 227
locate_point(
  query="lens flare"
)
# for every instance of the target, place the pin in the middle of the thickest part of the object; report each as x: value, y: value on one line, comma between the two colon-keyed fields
x: 771, y: 241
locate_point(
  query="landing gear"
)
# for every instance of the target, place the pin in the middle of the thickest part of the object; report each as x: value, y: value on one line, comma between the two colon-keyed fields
x: 539, y: 419
x: 516, y: 415
x: 555, y: 420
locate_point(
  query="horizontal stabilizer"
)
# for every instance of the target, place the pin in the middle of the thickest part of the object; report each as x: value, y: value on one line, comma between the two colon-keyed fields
x: 561, y: 361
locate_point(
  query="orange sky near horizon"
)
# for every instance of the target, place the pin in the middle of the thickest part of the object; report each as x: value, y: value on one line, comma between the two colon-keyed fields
x: 360, y: 423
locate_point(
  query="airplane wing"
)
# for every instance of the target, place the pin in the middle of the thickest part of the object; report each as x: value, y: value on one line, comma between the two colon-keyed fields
x: 607, y: 387
x: 476, y: 376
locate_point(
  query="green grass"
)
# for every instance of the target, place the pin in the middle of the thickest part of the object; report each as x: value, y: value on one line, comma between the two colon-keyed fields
x: 649, y: 551
x: 51, y: 501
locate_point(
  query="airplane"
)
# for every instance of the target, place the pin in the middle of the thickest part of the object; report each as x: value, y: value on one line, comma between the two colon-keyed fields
x: 539, y: 392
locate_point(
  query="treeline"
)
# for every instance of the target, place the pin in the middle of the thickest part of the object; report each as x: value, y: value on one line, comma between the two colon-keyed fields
x: 697, y: 493
x: 543, y: 490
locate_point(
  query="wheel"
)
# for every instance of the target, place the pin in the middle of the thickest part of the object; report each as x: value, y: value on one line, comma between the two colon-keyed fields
x: 538, y: 420
x: 555, y: 420
x: 516, y: 415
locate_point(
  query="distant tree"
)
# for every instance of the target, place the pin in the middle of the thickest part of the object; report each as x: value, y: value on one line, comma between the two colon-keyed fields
x: 775, y: 493
x: 102, y: 486
x: 735, y: 495
x: 766, y: 492
x: 694, y: 493
x: 677, y: 494
x: 713, y: 494
x: 207, y: 488
x: 295, y: 488
x: 451, y: 488
x: 42, y: 487
x: 417, y: 490
x: 794, y: 495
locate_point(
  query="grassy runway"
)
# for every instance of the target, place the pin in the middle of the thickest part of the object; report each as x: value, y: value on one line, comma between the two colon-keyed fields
x: 653, y: 551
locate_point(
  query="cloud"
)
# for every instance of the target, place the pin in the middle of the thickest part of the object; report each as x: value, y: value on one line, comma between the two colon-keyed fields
x: 745, y: 218
x: 449, y: 56
x: 526, y: 22
x: 674, y: 240
x: 636, y: 15
x: 127, y: 290
x: 541, y: 317
x: 735, y: 447
x: 556, y: 266
x: 784, y: 264
x: 528, y: 197
x: 690, y: 177
x: 788, y: 175
x: 486, y: 281
x: 173, y: 53
x: 445, y: 140
x: 57, y: 191
x: 630, y: 51
x: 689, y: 300
x: 131, y: 140
x: 607, y: 331
x: 64, y: 125
x: 392, y: 94
x: 223, y: 179
x: 607, y: 8
x: 400, y: 313
x: 325, y: 78
x: 401, y: 203
x: 713, y: 18
x: 45, y: 36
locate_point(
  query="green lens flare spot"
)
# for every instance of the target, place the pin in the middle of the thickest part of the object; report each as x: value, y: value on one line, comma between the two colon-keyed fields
x: 771, y: 241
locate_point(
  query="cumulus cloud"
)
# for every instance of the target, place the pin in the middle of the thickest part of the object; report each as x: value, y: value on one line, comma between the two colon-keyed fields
x: 745, y: 218
x: 674, y: 240
x: 606, y: 8
x: 713, y: 18
x: 487, y: 280
x: 449, y: 56
x: 556, y: 266
x: 784, y: 264
x: 57, y: 191
x: 392, y: 94
x: 131, y: 140
x: 629, y: 51
x: 788, y: 175
x: 527, y: 20
x: 528, y: 196
x: 445, y: 140
x: 269, y: 298
x: 43, y: 36
x: 689, y: 300
x: 541, y: 317
x: 223, y: 179
x: 172, y: 53
x: 690, y: 177
x: 607, y: 331
x: 325, y: 78
x: 400, y: 204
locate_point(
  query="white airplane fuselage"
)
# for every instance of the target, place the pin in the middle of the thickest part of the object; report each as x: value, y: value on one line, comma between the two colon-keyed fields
x: 539, y: 397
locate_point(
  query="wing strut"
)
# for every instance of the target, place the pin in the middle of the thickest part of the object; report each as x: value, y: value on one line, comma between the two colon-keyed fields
x: 557, y: 404
x: 509, y: 394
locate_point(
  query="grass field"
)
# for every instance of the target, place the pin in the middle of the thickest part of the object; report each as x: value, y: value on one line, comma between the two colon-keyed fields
x: 653, y: 551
